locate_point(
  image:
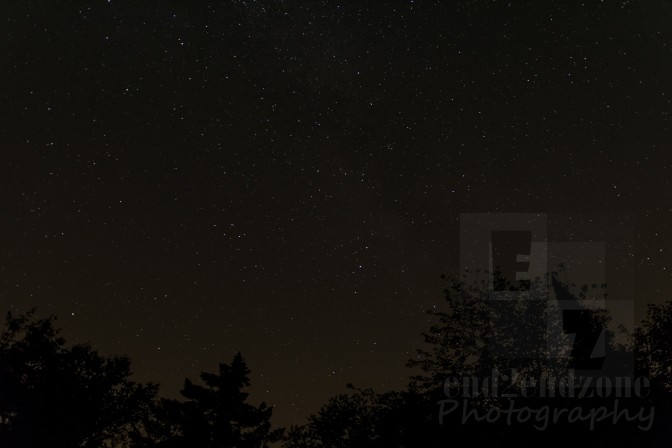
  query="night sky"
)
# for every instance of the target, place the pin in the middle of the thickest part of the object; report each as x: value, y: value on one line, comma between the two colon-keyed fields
x: 185, y: 179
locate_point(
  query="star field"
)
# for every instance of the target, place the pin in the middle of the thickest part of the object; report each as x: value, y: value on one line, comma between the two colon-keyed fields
x: 182, y: 181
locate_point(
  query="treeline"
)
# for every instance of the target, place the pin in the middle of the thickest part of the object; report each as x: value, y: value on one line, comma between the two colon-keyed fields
x: 56, y: 395
x: 53, y: 395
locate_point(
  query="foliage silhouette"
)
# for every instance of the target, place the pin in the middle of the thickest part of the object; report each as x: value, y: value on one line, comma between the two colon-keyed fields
x: 364, y: 418
x: 52, y: 395
x: 477, y: 326
x: 461, y: 344
x: 212, y: 416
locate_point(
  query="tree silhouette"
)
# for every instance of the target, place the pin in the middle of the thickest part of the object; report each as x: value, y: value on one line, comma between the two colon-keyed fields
x: 213, y: 415
x: 653, y: 353
x: 364, y: 419
x: 472, y: 331
x: 53, y: 395
x: 469, y: 337
x: 653, y: 348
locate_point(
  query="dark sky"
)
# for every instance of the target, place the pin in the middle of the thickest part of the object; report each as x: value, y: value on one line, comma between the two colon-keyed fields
x: 185, y: 179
